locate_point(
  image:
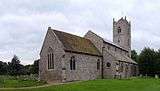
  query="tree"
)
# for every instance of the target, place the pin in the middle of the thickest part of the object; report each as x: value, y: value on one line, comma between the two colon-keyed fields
x: 147, y: 61
x: 134, y: 55
x: 3, y: 68
x: 35, y: 67
x: 15, y: 68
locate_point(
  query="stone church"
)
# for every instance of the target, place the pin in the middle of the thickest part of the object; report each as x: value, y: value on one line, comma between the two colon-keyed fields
x: 66, y: 57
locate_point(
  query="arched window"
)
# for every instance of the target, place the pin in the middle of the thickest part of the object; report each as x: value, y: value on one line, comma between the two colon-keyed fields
x: 72, y: 63
x: 98, y: 64
x: 121, y: 67
x: 50, y: 57
x: 119, y: 30
x: 108, y: 64
x: 117, y: 67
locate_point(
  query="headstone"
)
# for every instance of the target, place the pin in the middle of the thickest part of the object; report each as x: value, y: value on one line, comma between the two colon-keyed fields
x: 156, y: 76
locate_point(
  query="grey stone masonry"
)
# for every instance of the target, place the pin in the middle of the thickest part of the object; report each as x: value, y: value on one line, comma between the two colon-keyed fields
x: 122, y: 34
x: 66, y: 57
x: 49, y: 75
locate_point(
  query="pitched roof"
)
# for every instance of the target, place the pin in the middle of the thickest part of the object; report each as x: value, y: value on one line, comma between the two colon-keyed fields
x: 77, y: 44
x: 114, y: 44
x: 109, y: 42
x: 123, y: 58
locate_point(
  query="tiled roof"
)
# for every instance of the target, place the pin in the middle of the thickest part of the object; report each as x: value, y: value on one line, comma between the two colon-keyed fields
x: 123, y: 58
x: 75, y: 43
x: 112, y: 43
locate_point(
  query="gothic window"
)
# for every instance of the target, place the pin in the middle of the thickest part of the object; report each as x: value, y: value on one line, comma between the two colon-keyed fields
x: 117, y: 67
x: 119, y: 30
x: 126, y: 67
x: 121, y: 67
x: 98, y: 64
x: 50, y: 58
x: 72, y: 63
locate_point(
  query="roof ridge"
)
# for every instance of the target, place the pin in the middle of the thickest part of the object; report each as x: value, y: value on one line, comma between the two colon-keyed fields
x: 68, y: 33
x: 76, y: 43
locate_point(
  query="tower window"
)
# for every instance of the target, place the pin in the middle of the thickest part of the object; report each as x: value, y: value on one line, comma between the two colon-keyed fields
x: 119, y: 30
x: 72, y: 63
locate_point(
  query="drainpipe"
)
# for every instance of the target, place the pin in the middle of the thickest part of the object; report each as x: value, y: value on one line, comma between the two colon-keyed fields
x: 102, y: 63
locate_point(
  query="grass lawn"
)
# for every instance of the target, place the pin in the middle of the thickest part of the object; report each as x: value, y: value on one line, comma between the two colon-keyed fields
x: 14, y: 82
x: 103, y: 85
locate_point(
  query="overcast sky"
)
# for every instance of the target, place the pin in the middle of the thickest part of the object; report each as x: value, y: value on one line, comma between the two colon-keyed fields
x: 23, y: 23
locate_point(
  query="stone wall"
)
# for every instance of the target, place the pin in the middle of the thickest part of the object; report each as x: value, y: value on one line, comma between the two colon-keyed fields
x: 113, y: 49
x: 111, y: 56
x: 95, y: 39
x: 86, y: 67
x: 122, y: 38
x: 46, y: 74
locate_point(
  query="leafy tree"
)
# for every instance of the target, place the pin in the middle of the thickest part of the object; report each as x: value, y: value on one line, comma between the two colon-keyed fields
x: 35, y: 67
x: 14, y: 67
x: 3, y: 68
x: 147, y: 61
x: 28, y: 69
x: 134, y: 55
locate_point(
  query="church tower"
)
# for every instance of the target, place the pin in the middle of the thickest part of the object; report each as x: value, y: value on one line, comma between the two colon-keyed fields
x: 122, y: 34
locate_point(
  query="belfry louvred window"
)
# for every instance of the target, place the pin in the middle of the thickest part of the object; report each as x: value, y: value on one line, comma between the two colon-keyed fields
x: 119, y: 30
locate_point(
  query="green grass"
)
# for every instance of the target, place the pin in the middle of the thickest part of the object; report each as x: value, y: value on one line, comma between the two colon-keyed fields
x: 103, y: 85
x: 17, y: 82
x: 20, y: 83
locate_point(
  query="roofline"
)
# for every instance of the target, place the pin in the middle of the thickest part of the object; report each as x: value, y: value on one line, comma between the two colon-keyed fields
x: 121, y: 60
x: 67, y: 33
x: 43, y: 42
x: 50, y: 29
x: 94, y: 34
x: 115, y: 45
x: 107, y: 42
x: 128, y: 62
x: 82, y: 53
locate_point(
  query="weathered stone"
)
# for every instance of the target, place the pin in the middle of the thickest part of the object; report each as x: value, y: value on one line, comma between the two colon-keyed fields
x: 114, y: 57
